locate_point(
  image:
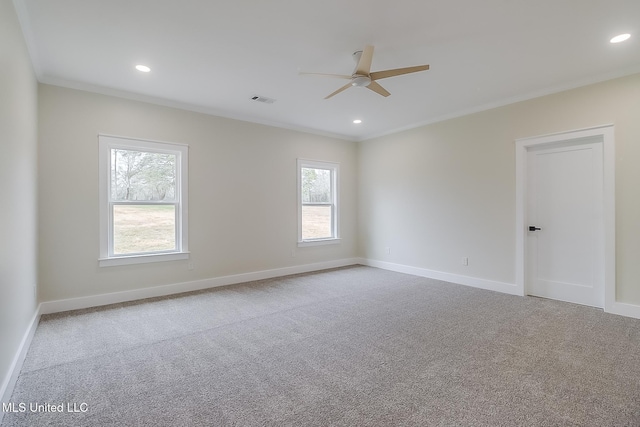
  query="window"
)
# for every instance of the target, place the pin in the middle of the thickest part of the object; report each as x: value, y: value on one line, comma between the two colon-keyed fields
x: 317, y: 203
x: 143, y: 201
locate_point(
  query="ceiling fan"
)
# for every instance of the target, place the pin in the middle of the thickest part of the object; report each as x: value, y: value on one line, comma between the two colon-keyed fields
x: 363, y: 77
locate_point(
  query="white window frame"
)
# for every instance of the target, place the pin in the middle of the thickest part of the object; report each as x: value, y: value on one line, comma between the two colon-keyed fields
x: 105, y: 144
x: 335, y: 211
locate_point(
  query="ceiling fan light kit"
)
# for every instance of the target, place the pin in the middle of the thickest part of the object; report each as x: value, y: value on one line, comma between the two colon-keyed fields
x: 363, y: 77
x: 360, y: 81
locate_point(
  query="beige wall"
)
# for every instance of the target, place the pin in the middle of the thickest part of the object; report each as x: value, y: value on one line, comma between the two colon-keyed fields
x: 18, y: 170
x: 433, y: 194
x: 445, y: 191
x: 242, y: 193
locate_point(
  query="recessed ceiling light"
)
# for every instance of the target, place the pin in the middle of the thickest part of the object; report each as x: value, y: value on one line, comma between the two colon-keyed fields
x: 357, y: 121
x: 620, y: 38
x: 143, y: 68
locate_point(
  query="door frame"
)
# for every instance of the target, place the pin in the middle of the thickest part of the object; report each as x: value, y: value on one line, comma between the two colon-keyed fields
x: 600, y: 134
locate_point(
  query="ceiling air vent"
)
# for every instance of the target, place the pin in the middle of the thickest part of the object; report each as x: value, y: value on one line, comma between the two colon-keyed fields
x: 264, y: 99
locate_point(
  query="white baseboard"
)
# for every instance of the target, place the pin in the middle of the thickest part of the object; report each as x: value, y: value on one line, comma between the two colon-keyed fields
x: 16, y: 366
x: 617, y: 307
x: 491, y: 285
x: 624, y: 309
x: 177, y: 288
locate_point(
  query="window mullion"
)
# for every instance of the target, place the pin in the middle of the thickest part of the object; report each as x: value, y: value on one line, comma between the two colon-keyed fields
x: 144, y: 202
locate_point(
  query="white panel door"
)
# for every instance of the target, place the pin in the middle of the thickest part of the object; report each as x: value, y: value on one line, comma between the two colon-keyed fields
x: 565, y: 256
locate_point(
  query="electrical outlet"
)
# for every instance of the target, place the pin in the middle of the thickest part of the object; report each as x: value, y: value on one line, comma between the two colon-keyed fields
x: 191, y: 265
x: 465, y: 260
x: 293, y: 253
x: 387, y: 251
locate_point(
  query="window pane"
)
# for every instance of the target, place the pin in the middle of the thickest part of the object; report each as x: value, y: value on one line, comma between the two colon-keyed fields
x: 146, y: 228
x: 316, y: 185
x: 140, y: 175
x: 316, y: 222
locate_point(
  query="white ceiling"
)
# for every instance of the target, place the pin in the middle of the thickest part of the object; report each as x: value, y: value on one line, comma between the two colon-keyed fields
x: 213, y: 56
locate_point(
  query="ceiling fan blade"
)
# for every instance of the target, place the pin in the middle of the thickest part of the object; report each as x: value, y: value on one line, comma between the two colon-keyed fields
x: 338, y: 76
x: 378, y: 89
x: 345, y: 87
x: 377, y: 75
x: 364, y: 64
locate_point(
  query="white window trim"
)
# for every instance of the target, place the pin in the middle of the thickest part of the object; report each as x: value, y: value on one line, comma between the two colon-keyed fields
x: 335, y: 188
x: 105, y: 144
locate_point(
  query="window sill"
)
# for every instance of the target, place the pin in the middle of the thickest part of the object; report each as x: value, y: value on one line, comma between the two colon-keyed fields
x: 319, y: 242
x: 141, y: 259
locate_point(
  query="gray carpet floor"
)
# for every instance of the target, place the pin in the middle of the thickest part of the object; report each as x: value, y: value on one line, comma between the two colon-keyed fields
x: 355, y: 346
